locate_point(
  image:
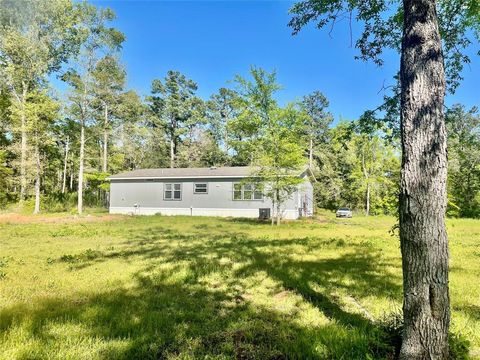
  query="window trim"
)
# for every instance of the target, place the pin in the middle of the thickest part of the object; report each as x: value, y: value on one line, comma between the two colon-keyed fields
x: 242, y: 191
x: 200, y: 183
x: 172, y: 190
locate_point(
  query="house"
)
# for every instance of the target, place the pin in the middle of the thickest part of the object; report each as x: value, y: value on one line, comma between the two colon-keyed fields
x: 221, y: 191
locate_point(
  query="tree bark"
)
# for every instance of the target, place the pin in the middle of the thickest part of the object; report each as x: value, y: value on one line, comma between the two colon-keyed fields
x: 80, y: 169
x: 367, y: 205
x: 423, y: 235
x: 72, y: 172
x: 367, y: 192
x: 37, y: 180
x: 23, y: 145
x: 278, y: 212
x: 105, y: 140
x: 272, y: 216
x: 65, y: 163
x: 310, y: 154
x: 172, y: 153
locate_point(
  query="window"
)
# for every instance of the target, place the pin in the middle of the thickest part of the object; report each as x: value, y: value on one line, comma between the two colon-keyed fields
x: 200, y: 188
x: 257, y: 195
x: 237, y: 191
x: 246, y: 192
x: 172, y: 192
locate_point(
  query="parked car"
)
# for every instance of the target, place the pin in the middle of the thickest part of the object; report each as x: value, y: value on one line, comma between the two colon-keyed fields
x: 344, y: 212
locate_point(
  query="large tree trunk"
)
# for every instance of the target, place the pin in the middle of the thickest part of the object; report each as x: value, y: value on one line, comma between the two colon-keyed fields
x: 65, y: 164
x: 80, y: 169
x: 105, y: 139
x: 37, y: 180
x: 23, y: 145
x: 423, y: 236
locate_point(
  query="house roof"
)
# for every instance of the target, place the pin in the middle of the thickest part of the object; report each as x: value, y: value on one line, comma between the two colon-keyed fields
x: 187, y: 173
x: 179, y: 173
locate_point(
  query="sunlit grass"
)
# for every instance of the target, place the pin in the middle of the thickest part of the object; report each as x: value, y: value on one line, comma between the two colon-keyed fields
x: 108, y: 287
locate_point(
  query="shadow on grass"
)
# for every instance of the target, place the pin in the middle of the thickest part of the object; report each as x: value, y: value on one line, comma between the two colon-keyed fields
x: 173, y: 312
x: 159, y: 320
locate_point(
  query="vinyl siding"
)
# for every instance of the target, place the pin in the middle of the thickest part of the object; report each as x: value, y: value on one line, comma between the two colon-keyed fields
x: 146, y: 197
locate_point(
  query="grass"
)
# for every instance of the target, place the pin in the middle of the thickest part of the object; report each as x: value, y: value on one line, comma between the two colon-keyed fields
x: 114, y: 287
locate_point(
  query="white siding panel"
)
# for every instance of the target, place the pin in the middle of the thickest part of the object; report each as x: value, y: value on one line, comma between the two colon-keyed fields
x: 247, y: 213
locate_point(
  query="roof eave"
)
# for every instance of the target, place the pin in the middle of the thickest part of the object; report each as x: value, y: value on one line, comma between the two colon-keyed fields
x: 176, y: 177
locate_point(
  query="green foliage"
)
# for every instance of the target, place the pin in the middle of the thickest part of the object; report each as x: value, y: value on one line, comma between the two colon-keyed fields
x: 382, y: 24
x: 36, y: 38
x: 349, y: 163
x: 175, y: 108
x: 464, y: 161
x: 242, y: 125
x: 5, y: 174
x: 318, y: 118
x: 221, y: 111
x: 459, y: 347
x: 276, y: 142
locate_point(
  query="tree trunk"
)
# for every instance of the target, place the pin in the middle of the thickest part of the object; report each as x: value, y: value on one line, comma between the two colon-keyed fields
x: 225, y: 138
x: 278, y: 212
x: 272, y: 217
x: 367, y: 205
x: 172, y: 153
x: 23, y: 146
x: 80, y: 169
x: 367, y: 192
x: 72, y: 171
x: 310, y: 154
x: 423, y: 236
x: 65, y: 163
x: 105, y: 140
x: 37, y: 180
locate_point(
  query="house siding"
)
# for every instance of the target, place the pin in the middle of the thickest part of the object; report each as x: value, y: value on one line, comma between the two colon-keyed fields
x: 146, y: 197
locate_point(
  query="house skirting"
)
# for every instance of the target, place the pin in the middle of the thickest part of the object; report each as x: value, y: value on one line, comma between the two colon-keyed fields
x: 243, y: 213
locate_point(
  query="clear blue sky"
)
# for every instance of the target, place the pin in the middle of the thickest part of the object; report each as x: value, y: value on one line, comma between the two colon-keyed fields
x: 211, y: 41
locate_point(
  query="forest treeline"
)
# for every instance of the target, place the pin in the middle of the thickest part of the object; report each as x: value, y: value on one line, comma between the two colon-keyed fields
x: 57, y: 147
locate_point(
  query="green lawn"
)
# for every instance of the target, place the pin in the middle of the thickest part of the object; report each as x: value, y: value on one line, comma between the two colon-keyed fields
x: 108, y: 287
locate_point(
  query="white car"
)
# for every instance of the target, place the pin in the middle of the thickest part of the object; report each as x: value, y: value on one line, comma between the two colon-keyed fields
x: 344, y: 212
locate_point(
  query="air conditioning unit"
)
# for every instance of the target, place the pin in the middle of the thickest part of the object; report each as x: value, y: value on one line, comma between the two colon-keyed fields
x: 264, y: 214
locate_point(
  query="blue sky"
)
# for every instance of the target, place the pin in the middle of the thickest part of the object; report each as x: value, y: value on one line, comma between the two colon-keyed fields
x: 211, y: 41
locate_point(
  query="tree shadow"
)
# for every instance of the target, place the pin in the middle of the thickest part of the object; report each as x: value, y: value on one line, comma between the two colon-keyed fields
x: 158, y: 319
x: 177, y: 310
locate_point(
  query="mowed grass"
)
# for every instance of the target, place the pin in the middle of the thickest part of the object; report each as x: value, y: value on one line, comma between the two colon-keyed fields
x: 115, y: 287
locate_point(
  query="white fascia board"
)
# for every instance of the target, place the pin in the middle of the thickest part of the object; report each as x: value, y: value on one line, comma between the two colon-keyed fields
x: 178, y: 177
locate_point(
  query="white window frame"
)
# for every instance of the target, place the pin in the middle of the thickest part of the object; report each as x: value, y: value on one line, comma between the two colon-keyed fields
x: 200, y: 192
x: 242, y: 190
x: 172, y: 190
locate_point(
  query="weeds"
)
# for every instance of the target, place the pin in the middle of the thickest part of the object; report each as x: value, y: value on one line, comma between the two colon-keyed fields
x: 87, y: 255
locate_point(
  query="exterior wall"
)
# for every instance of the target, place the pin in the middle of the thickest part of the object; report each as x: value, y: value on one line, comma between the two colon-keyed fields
x: 305, y: 198
x: 146, y: 197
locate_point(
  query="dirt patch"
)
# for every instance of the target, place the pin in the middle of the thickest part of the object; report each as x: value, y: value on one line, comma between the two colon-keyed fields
x: 281, y: 295
x: 13, y: 218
